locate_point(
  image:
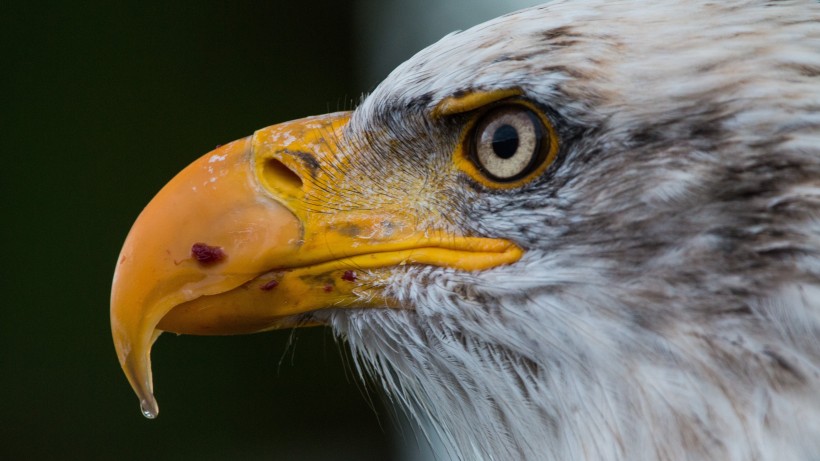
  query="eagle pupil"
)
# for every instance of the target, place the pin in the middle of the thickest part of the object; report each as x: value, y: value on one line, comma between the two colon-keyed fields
x: 505, y: 141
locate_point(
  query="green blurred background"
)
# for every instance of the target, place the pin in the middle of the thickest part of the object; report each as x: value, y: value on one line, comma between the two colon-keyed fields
x: 102, y: 103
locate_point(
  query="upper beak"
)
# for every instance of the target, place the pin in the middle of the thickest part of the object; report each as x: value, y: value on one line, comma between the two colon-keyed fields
x: 243, y: 240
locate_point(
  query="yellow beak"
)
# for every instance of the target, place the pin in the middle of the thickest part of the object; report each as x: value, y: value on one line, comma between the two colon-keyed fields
x: 252, y: 235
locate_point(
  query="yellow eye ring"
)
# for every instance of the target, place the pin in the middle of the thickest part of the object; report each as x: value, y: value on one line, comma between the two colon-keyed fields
x: 507, y: 145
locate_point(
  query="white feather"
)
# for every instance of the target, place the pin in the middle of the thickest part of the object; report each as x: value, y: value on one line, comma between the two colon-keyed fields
x: 636, y: 326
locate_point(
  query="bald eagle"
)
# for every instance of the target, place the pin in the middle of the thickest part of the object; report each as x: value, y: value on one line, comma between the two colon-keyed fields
x: 588, y: 230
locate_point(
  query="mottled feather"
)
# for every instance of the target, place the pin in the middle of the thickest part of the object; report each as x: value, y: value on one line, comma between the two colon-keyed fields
x: 668, y: 304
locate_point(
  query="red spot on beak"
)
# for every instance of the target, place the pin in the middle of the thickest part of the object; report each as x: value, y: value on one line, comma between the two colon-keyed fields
x: 328, y: 288
x: 206, y: 254
x: 270, y: 285
x: 349, y: 276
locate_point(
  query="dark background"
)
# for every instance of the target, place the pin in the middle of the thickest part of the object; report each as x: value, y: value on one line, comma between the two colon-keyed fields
x: 102, y: 104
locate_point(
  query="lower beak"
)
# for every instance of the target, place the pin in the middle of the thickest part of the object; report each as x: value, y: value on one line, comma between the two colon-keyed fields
x: 243, y: 240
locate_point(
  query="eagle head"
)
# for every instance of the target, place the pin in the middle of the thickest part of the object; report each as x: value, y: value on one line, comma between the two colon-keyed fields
x: 585, y: 230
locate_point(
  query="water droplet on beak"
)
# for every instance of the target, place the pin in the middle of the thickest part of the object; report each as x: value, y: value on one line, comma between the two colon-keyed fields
x: 149, y: 409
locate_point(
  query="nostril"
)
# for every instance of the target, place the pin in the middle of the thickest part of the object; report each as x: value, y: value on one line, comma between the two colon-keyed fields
x: 278, y: 176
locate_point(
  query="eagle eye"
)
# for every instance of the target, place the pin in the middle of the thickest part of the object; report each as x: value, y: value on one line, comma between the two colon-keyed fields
x: 509, y: 142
